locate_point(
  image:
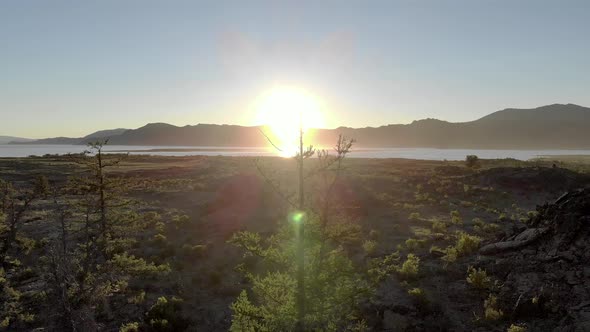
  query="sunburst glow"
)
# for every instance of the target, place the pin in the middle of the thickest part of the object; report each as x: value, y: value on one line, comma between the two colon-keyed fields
x: 282, y: 110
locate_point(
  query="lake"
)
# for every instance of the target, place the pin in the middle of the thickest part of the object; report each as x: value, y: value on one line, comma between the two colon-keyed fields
x: 408, y: 153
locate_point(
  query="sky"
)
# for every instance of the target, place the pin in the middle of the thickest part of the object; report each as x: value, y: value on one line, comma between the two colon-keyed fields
x: 68, y: 68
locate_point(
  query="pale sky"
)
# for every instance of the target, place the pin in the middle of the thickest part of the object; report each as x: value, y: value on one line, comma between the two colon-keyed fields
x: 68, y: 68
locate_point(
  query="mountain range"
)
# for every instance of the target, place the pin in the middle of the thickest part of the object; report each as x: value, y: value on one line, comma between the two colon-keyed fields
x: 557, y: 126
x: 10, y: 139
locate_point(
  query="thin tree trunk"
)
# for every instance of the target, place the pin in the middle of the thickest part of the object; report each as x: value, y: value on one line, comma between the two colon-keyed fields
x: 300, y: 242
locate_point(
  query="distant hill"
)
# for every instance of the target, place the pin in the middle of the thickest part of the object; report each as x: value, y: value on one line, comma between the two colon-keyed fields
x: 69, y: 140
x: 555, y: 126
x: 8, y: 139
x: 199, y: 135
x: 105, y: 133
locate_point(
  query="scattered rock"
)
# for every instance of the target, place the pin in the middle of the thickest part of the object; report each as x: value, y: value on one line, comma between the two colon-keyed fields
x: 549, y: 276
x: 526, y: 237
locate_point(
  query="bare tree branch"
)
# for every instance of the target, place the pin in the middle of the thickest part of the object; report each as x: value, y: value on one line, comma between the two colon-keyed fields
x: 270, y: 141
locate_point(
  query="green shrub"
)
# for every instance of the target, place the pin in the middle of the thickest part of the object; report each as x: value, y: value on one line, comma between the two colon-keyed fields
x: 516, y: 328
x: 410, y: 267
x: 439, y: 226
x: 369, y: 246
x: 180, y: 221
x: 160, y: 239
x: 456, y: 218
x: 412, y: 244
x: 129, y: 327
x: 478, y: 278
x: 481, y: 227
x: 151, y: 218
x: 491, y: 310
x: 159, y: 227
x: 137, y: 299
x: 467, y: 244
x: 414, y: 216
x: 450, y: 255
x: 165, y: 316
x: 417, y: 293
x: 196, y: 251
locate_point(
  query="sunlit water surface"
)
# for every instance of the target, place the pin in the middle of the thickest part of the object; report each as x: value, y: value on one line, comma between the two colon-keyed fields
x: 409, y: 153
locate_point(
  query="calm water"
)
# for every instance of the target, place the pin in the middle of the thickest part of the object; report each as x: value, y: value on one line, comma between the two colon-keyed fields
x: 410, y: 153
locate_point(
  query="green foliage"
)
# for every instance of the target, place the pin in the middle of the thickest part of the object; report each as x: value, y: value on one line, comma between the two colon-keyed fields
x: 450, y: 255
x: 379, y: 269
x: 456, y: 218
x: 160, y: 240
x: 137, y: 298
x: 130, y: 327
x: 180, y: 221
x: 166, y: 316
x: 418, y: 294
x: 25, y: 244
x: 12, y: 310
x: 369, y: 246
x: 129, y: 264
x: 410, y: 268
x: 414, y: 216
x: 414, y: 244
x: 491, y: 310
x: 478, y: 278
x: 334, y: 286
x: 480, y: 227
x: 464, y: 245
x: 516, y: 328
x: 94, y: 258
x: 439, y: 226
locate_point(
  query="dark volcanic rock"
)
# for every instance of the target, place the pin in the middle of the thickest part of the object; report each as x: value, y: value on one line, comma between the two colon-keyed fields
x: 550, y: 285
x: 533, y: 178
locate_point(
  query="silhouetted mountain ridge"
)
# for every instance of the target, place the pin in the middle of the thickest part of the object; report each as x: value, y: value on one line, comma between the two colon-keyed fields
x: 557, y: 126
x: 8, y: 139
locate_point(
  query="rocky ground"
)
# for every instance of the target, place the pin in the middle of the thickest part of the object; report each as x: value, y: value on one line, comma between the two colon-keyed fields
x: 545, y: 268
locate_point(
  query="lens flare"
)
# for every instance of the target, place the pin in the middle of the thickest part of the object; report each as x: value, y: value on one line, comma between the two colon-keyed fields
x: 297, y: 217
x: 282, y: 110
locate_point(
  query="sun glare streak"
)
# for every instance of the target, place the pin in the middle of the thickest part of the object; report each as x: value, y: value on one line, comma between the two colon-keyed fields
x: 281, y: 109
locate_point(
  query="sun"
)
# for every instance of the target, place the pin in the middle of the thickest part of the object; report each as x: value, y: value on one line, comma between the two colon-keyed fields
x: 282, y: 110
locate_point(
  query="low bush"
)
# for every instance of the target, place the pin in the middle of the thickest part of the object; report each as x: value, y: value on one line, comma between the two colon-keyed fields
x: 369, y: 246
x: 414, y: 216
x: 478, y: 278
x: 516, y: 328
x: 456, y: 218
x: 491, y: 310
x: 410, y: 268
x: 165, y: 316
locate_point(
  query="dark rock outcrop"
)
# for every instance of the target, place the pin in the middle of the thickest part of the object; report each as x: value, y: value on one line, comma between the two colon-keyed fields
x: 548, y: 277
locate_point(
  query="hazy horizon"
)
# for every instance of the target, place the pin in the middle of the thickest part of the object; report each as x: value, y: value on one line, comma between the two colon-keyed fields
x: 70, y: 68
